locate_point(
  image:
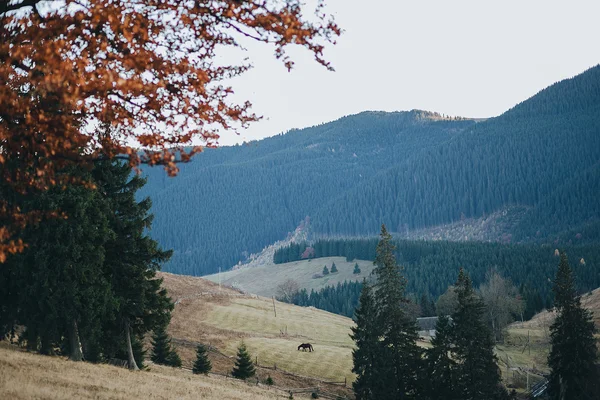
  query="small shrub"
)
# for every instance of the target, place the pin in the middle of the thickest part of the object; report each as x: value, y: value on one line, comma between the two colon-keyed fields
x: 314, y: 395
x: 269, y: 381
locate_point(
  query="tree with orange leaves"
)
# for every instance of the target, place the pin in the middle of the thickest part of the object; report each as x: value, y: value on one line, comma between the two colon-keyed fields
x: 85, y: 80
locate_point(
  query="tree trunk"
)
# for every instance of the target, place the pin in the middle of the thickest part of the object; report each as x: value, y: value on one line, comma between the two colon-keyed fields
x: 131, y: 364
x: 76, y: 354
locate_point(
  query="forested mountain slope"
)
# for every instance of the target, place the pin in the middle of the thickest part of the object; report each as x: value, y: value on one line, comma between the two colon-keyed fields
x: 409, y: 170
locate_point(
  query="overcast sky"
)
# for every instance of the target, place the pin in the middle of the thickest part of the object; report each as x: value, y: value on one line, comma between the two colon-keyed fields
x: 461, y: 58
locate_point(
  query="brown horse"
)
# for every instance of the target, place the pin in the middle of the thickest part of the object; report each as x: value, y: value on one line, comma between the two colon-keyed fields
x: 305, y: 346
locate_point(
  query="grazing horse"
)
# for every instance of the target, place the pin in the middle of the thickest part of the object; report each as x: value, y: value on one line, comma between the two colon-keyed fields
x: 305, y: 346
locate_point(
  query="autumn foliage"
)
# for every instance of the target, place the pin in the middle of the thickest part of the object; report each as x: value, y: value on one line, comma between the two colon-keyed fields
x: 83, y: 80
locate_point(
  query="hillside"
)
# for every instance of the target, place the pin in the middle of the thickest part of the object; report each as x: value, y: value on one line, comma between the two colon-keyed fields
x: 223, y: 318
x: 264, y: 280
x: 413, y: 171
x: 31, y: 376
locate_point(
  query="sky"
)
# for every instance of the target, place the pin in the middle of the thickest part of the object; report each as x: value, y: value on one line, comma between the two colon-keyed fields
x: 460, y: 58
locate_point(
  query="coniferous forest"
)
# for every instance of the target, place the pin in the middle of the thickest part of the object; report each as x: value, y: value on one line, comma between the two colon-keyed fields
x: 430, y: 266
x: 537, y: 165
x: 86, y: 285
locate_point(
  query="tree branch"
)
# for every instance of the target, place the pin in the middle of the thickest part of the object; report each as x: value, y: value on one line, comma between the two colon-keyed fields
x: 5, y: 8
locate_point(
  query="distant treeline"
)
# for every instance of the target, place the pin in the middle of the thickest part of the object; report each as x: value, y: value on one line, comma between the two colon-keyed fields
x: 430, y: 267
x: 340, y: 299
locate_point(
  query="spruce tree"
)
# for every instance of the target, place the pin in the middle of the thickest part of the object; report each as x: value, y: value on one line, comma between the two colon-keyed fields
x: 574, y: 352
x: 132, y: 258
x: 367, y: 348
x: 439, y: 364
x: 162, y: 350
x: 243, y: 368
x: 174, y: 360
x: 356, y: 269
x: 333, y: 268
x: 325, y: 270
x: 63, y: 294
x: 399, y: 363
x: 477, y: 372
x: 202, y: 364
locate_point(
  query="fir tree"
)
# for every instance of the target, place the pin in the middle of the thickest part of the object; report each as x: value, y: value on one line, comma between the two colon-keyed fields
x: 366, y: 339
x: 477, y: 372
x: 202, y: 364
x: 63, y: 292
x: 243, y: 368
x: 173, y: 360
x: 399, y: 362
x: 132, y: 258
x: 574, y: 352
x: 325, y: 270
x: 439, y: 364
x: 356, y: 269
x: 162, y: 350
x: 333, y: 268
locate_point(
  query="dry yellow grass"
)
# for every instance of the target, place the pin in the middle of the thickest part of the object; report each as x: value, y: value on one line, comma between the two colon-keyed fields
x: 223, y: 319
x: 31, y: 376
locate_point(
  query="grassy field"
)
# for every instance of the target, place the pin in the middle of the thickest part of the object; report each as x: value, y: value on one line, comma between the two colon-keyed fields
x: 224, y: 318
x: 527, y: 345
x: 263, y: 280
x: 31, y: 376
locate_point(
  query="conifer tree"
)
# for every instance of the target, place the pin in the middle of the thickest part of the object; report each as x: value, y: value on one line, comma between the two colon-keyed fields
x: 174, y: 360
x: 325, y: 270
x: 63, y: 294
x: 132, y: 258
x: 162, y: 350
x: 356, y: 269
x: 333, y: 268
x: 574, y: 352
x: 243, y: 368
x: 439, y: 364
x: 477, y: 372
x: 399, y: 363
x: 366, y: 352
x: 202, y: 364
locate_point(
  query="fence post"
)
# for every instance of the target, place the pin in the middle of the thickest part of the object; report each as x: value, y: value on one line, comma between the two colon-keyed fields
x: 345, y: 381
x: 256, y: 362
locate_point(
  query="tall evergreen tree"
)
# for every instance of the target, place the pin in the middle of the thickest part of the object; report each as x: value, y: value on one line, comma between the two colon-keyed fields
x: 132, y: 258
x: 356, y: 270
x: 366, y: 352
x: 325, y: 270
x: 440, y: 366
x: 63, y: 294
x: 243, y: 368
x: 399, y: 363
x: 477, y: 372
x: 574, y: 352
x: 202, y: 364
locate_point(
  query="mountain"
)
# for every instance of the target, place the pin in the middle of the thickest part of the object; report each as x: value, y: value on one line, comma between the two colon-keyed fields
x: 537, y: 165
